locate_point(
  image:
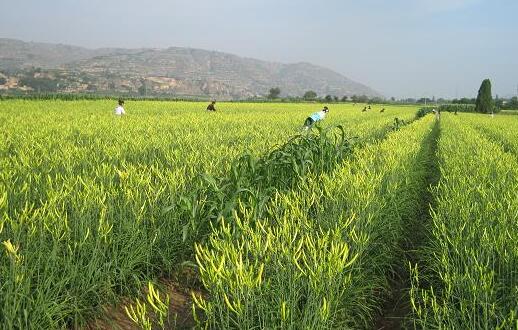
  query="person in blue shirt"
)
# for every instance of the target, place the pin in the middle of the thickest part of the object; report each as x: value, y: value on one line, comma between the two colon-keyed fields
x: 317, y: 116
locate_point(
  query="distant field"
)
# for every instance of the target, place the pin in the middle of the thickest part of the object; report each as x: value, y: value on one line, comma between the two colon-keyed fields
x: 279, y: 227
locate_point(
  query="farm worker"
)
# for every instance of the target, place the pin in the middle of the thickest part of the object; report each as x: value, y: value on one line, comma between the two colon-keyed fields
x: 317, y: 116
x: 212, y: 106
x: 364, y: 109
x: 382, y: 110
x: 437, y: 113
x: 119, y: 110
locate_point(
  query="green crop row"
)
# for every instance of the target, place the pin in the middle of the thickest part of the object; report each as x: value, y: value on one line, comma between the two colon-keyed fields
x: 470, y: 277
x: 91, y: 205
x: 318, y: 256
x: 502, y: 130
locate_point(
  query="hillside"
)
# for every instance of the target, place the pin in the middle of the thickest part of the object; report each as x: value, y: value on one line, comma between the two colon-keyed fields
x: 172, y: 71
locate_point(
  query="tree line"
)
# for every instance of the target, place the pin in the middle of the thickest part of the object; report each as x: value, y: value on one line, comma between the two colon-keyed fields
x: 484, y: 102
x: 275, y: 92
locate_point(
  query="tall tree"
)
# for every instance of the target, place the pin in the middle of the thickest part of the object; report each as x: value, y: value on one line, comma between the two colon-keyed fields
x: 484, y: 103
x: 363, y: 99
x: 274, y: 93
x: 310, y: 95
x: 328, y: 98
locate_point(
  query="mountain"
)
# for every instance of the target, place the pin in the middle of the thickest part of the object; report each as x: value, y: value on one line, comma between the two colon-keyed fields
x: 175, y: 71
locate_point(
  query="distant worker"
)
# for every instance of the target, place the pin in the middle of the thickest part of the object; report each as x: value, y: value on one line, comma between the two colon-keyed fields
x: 212, y: 106
x: 364, y: 109
x: 317, y: 116
x: 437, y: 113
x: 382, y: 110
x: 369, y: 107
x: 119, y: 110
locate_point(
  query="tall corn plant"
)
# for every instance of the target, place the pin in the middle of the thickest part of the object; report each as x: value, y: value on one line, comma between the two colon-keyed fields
x: 254, y: 180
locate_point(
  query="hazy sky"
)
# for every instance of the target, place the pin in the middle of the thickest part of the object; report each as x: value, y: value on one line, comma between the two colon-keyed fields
x: 402, y: 48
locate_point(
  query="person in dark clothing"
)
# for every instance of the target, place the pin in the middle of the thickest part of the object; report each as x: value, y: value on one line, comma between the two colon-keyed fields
x: 369, y: 107
x: 364, y: 109
x: 212, y: 106
x: 382, y: 110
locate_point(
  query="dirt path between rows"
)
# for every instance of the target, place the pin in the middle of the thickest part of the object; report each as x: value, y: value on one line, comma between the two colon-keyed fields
x: 179, y: 290
x: 396, y: 309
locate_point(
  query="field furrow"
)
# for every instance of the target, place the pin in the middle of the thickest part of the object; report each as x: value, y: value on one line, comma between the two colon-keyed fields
x: 472, y: 258
x: 93, y: 205
x: 321, y: 255
x: 500, y: 129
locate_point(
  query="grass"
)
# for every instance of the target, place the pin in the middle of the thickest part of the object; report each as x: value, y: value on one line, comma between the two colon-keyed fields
x: 472, y: 257
x: 93, y: 206
x: 500, y: 129
x: 319, y: 254
x: 283, y: 229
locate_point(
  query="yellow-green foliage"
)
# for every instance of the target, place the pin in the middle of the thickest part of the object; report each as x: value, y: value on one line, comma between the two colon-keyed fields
x: 315, y: 259
x: 92, y: 204
x: 502, y: 130
x: 473, y: 252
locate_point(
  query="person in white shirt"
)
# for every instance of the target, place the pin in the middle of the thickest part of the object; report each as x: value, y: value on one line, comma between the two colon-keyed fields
x: 119, y: 110
x: 317, y: 116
